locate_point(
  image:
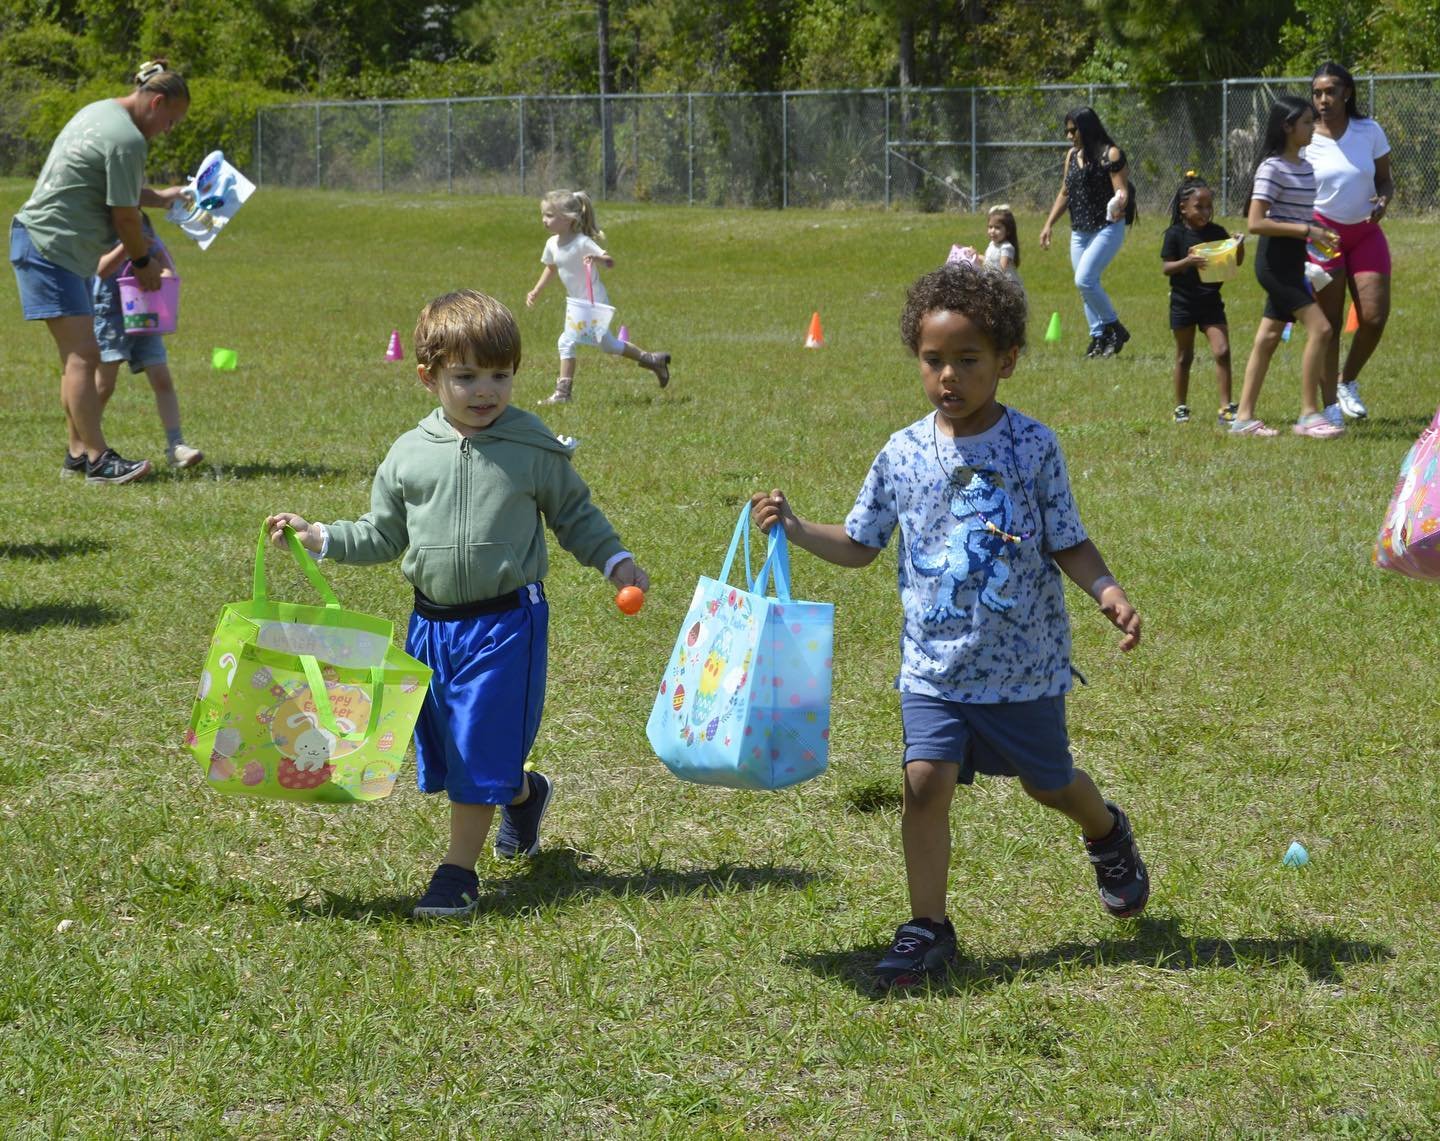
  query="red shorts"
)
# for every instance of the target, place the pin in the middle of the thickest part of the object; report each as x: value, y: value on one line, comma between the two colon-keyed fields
x: 1363, y: 248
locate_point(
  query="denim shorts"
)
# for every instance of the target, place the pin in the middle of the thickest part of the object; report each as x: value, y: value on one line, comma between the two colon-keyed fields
x: 482, y: 711
x: 1025, y: 739
x: 46, y: 289
x: 140, y: 351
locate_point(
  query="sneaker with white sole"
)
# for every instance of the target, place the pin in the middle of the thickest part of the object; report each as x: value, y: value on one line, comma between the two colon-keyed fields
x: 73, y: 465
x: 1350, y: 402
x: 922, y: 949
x: 183, y: 456
x: 1333, y: 416
x: 1182, y: 414
x: 454, y: 893
x: 519, y: 831
x: 111, y: 467
x: 1119, y: 871
x: 1226, y: 415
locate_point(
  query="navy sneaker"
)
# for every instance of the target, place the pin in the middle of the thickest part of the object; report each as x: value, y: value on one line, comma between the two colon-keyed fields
x: 519, y: 831
x: 1119, y: 870
x: 921, y: 950
x: 111, y: 467
x: 73, y: 465
x: 454, y: 893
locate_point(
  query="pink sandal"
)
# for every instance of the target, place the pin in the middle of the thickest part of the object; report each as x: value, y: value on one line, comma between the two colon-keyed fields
x: 1317, y: 427
x: 1251, y: 428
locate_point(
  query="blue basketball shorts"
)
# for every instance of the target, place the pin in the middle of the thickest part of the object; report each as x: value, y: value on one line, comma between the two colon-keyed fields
x: 483, y: 708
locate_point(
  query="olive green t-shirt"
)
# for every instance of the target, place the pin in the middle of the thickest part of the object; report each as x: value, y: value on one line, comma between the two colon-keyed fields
x: 96, y: 162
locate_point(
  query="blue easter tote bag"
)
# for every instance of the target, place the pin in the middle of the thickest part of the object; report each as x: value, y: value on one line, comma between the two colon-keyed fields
x: 745, y: 699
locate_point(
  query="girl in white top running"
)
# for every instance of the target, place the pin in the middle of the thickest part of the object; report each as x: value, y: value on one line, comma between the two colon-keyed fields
x: 572, y: 252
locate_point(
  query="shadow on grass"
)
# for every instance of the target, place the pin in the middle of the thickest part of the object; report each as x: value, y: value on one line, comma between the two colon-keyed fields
x: 290, y: 470
x: 561, y: 876
x: 24, y: 619
x: 1389, y: 427
x: 1158, y: 943
x: 51, y: 552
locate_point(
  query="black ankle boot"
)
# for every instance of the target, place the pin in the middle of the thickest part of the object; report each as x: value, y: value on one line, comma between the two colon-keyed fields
x: 1113, y: 338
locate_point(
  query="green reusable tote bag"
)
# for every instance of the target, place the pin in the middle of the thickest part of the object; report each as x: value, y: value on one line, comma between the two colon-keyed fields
x: 306, y: 703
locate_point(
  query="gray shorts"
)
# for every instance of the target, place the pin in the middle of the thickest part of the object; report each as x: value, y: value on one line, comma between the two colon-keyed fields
x: 140, y: 351
x: 1025, y: 739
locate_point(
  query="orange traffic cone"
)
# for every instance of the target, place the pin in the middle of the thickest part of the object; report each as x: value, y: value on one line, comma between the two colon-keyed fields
x: 814, y: 338
x: 1352, y: 322
x: 393, y: 351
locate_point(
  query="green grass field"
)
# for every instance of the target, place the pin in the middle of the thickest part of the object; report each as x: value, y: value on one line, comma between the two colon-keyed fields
x: 687, y: 962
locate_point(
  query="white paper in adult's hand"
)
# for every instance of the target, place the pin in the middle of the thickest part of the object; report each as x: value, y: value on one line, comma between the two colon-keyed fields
x: 211, y: 199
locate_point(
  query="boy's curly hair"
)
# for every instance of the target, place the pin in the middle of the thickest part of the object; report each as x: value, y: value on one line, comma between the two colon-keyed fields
x: 989, y: 297
x: 467, y: 325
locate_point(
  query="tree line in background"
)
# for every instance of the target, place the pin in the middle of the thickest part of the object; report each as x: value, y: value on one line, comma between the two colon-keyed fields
x: 56, y: 55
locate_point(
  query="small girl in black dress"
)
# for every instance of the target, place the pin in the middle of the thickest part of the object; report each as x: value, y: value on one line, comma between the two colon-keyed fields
x: 1195, y: 303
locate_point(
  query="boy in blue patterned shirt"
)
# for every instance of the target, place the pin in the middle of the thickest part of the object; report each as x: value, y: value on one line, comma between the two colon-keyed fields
x: 987, y: 522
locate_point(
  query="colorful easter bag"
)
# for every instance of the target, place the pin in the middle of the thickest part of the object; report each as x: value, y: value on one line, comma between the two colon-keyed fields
x: 745, y: 699
x: 309, y: 703
x: 1409, y: 540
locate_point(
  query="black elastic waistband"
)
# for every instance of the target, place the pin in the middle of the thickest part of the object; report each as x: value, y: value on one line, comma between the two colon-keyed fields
x: 442, y: 612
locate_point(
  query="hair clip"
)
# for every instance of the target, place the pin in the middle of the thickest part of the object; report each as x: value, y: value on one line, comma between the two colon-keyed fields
x: 962, y: 254
x: 1191, y: 174
x: 1001, y: 206
x: 148, y: 71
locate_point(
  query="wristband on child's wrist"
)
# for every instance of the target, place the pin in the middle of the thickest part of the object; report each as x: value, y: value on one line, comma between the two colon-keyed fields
x: 1100, y: 584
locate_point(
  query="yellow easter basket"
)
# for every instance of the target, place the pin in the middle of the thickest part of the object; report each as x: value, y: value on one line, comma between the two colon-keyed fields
x: 1219, y: 259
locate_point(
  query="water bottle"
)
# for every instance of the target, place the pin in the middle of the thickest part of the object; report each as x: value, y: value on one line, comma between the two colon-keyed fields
x: 1321, y: 249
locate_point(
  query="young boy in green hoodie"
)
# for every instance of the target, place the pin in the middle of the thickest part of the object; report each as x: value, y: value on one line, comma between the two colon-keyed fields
x: 462, y: 496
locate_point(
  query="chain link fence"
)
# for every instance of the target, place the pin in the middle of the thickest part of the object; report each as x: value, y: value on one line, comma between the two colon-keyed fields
x: 917, y: 148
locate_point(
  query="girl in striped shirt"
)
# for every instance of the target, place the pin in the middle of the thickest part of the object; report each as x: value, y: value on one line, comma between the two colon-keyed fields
x: 1282, y: 208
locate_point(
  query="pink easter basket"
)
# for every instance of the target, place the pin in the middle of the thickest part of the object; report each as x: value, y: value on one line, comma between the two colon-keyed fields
x: 145, y: 313
x: 1409, y: 541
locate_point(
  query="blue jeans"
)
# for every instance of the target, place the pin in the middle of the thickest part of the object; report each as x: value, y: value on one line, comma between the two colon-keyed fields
x: 1090, y: 252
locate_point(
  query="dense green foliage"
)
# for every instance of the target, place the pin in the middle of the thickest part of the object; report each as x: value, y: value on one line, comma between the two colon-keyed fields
x: 54, y: 55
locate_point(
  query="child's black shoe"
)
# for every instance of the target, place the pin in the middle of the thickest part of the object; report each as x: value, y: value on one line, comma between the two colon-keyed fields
x: 922, y: 949
x: 454, y: 893
x: 1119, y: 870
x: 519, y: 831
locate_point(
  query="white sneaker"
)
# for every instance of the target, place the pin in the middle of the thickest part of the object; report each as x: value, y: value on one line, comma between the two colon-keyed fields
x: 1332, y: 414
x: 183, y: 455
x: 1350, y: 402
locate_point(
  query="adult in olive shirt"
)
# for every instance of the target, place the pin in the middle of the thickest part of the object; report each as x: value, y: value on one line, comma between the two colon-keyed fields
x: 87, y: 198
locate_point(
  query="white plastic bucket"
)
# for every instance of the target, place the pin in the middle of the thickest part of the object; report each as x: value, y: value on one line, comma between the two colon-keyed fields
x: 588, y: 321
x: 147, y: 313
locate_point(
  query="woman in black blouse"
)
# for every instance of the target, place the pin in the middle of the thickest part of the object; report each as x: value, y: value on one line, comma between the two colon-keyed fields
x: 1095, y: 189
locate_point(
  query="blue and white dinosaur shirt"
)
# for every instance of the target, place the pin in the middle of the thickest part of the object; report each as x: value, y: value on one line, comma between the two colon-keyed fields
x: 979, y: 516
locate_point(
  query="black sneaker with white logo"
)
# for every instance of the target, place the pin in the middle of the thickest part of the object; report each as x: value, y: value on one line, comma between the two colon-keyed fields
x: 921, y: 950
x: 111, y: 467
x: 1119, y: 871
x: 73, y: 465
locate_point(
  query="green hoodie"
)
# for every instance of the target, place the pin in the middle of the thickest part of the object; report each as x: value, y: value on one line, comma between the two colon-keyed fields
x: 467, y: 510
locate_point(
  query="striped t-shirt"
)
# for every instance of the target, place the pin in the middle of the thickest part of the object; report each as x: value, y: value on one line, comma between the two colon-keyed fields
x: 1289, y: 187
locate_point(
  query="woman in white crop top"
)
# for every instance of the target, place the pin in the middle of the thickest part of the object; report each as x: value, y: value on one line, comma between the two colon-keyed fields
x: 1351, y: 157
